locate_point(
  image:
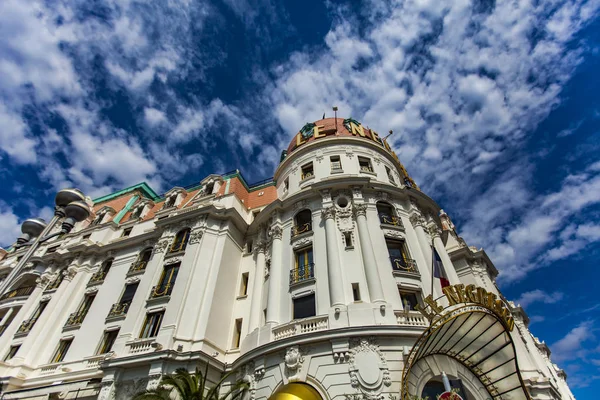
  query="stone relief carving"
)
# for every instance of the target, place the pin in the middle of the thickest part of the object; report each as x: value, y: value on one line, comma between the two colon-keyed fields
x: 293, y: 361
x: 43, y: 280
x: 434, y: 230
x: 126, y: 390
x: 302, y: 242
x: 368, y: 369
x: 326, y: 195
x: 46, y: 298
x: 251, y: 375
x: 260, y: 246
x: 173, y: 260
x: 349, y: 152
x: 319, y: 156
x: 328, y: 212
x: 91, y: 290
x: 360, y: 209
x: 162, y: 246
x: 70, y: 273
x: 357, y: 192
x: 195, y: 236
x: 300, y: 204
x: 132, y: 279
x: 417, y: 219
x: 276, y: 232
x: 389, y: 233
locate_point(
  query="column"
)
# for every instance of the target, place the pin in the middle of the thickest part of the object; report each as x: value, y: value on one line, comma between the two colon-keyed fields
x: 369, y: 262
x: 435, y: 232
x: 274, y: 299
x: 259, y: 274
x: 418, y: 223
x: 334, y: 268
x: 6, y: 316
x: 23, y: 313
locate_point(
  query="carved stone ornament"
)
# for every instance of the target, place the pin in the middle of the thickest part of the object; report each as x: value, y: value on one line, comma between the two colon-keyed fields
x: 393, y: 234
x: 276, y: 233
x: 302, y: 242
x: 43, y: 280
x: 260, y: 247
x: 195, y: 236
x: 349, y: 152
x: 251, y: 375
x: 90, y: 290
x: 172, y: 260
x: 328, y: 212
x: 295, y: 167
x: 132, y: 279
x: 45, y: 298
x: 126, y: 390
x: 357, y: 192
x: 162, y: 246
x: 293, y: 361
x: 434, y: 230
x: 360, y: 209
x: 319, y: 155
x: 70, y: 273
x: 417, y: 220
x: 368, y: 369
x: 326, y: 195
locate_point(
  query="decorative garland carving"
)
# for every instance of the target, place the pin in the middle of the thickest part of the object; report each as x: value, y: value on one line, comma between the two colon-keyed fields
x: 251, y: 375
x: 393, y: 234
x: 349, y: 152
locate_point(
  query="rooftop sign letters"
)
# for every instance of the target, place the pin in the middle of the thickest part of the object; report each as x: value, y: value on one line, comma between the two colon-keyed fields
x: 459, y: 294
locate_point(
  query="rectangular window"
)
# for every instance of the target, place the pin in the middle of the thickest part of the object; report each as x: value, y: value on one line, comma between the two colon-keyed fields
x: 304, y: 307
x: 128, y: 293
x: 12, y: 352
x: 348, y: 239
x: 390, y: 176
x: 365, y: 164
x: 336, y: 164
x: 61, y: 352
x: 108, y: 339
x: 151, y: 324
x: 304, y: 267
x: 399, y: 256
x: 264, y: 317
x: 409, y: 300
x: 84, y: 307
x: 356, y: 292
x: 126, y: 232
x: 237, y: 333
x: 307, y: 171
x: 244, y: 284
x: 167, y: 280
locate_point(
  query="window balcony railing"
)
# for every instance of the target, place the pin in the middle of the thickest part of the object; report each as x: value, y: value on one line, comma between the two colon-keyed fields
x: 177, y: 247
x: 366, y: 168
x: 307, y: 174
x: 119, y: 309
x: 336, y: 165
x: 390, y: 220
x: 301, y: 228
x: 76, y: 318
x: 98, y: 277
x: 404, y: 264
x: 302, y: 273
x: 137, y: 267
x: 161, y: 291
x: 26, y: 325
x: 22, y: 291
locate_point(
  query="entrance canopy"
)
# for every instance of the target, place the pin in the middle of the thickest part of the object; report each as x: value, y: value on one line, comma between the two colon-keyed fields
x: 476, y: 336
x: 296, y: 391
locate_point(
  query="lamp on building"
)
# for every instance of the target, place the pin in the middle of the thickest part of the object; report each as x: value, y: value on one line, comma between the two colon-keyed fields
x: 70, y: 205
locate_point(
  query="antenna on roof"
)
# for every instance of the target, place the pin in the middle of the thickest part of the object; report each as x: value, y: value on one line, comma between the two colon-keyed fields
x: 390, y: 134
x: 335, y: 113
x: 323, y: 116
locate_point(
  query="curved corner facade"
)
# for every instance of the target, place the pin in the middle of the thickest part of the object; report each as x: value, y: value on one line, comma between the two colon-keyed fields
x: 313, y: 278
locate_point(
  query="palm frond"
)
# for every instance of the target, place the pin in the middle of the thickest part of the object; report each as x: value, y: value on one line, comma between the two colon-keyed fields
x: 160, y: 393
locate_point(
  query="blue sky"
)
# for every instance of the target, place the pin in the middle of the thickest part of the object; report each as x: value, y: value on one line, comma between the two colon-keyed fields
x: 494, y: 106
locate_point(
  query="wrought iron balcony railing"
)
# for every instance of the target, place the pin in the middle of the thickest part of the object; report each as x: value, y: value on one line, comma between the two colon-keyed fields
x: 302, y: 228
x: 119, y: 309
x: 98, y: 276
x: 336, y: 165
x: 390, y: 220
x: 22, y: 291
x: 302, y: 273
x: 178, y: 246
x: 76, y: 318
x: 366, y: 168
x: 404, y: 264
x: 161, y: 291
x: 26, y: 325
x: 137, y: 267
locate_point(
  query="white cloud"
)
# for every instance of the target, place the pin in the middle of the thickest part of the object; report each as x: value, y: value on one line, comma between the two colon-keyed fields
x: 11, y: 227
x: 538, y: 295
x: 14, y: 139
x: 572, y: 346
x: 154, y: 116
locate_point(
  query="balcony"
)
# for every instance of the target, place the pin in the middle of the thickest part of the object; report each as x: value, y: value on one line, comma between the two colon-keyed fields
x: 118, y: 310
x: 159, y: 291
x: 26, y: 326
x: 387, y: 219
x: 98, y: 277
x: 301, y: 326
x: 302, y: 228
x: 400, y: 264
x: 302, y: 273
x: 20, y: 292
x: 411, y: 318
x: 177, y: 247
x: 75, y: 319
x: 137, y: 267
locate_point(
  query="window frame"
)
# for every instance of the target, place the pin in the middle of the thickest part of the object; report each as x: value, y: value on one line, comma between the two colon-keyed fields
x: 61, y: 351
x: 307, y: 171
x: 102, y: 346
x: 11, y: 354
x: 301, y: 298
x: 180, y: 242
x: 369, y: 165
x: 332, y: 162
x: 153, y: 326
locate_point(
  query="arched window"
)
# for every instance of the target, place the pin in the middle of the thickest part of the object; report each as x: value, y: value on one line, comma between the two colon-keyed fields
x: 387, y: 214
x: 302, y: 222
x: 180, y: 241
x: 142, y: 261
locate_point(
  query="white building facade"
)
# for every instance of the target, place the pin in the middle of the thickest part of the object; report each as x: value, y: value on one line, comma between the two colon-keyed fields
x: 306, y: 284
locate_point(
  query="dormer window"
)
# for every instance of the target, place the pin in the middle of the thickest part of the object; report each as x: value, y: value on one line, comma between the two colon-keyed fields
x: 307, y: 171
x: 208, y: 190
x: 170, y: 201
x: 99, y: 218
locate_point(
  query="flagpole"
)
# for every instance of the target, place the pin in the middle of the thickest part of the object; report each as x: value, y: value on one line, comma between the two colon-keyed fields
x: 432, y: 265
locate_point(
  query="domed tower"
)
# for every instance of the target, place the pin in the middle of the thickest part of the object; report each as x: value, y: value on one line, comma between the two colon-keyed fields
x: 355, y: 260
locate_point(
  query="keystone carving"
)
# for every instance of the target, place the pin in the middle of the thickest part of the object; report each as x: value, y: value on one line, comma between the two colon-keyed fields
x: 293, y: 361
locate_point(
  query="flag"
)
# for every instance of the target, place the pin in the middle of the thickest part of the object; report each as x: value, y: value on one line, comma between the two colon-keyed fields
x: 438, y: 269
x: 323, y: 116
